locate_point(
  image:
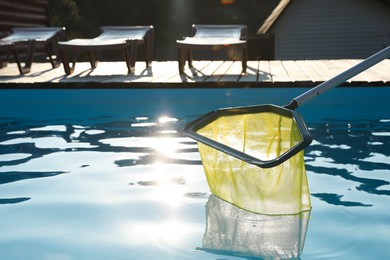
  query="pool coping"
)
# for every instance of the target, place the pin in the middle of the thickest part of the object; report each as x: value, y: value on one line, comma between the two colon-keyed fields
x: 200, y: 85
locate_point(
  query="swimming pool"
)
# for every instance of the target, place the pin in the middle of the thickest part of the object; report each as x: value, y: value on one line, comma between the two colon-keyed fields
x: 107, y: 174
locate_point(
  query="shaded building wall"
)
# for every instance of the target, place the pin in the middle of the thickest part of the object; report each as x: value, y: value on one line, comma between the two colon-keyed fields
x: 331, y: 29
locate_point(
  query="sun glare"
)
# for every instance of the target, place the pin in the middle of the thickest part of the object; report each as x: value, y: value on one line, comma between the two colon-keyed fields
x: 169, y: 232
x: 166, y: 119
x: 165, y: 145
x: 170, y: 194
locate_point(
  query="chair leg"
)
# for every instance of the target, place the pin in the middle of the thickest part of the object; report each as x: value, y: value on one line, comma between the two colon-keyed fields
x: 146, y: 55
x: 147, y: 50
x: 92, y: 59
x: 129, y: 57
x: 148, y: 43
x: 133, y: 55
x: 30, y: 54
x: 127, y: 60
x: 244, y: 59
x: 65, y: 62
x: 181, y: 59
x: 17, y: 60
x: 150, y: 54
x: 4, y: 63
x: 54, y: 64
x: 151, y: 46
x: 189, y: 57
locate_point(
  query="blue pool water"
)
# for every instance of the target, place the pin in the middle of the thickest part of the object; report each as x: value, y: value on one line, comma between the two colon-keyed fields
x: 107, y: 174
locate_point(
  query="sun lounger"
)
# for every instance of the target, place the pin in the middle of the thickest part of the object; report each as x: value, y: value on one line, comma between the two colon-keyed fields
x: 123, y: 38
x: 31, y: 37
x: 212, y: 37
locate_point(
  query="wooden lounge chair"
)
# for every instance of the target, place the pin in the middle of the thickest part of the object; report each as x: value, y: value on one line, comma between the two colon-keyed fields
x: 31, y: 37
x: 124, y: 38
x: 211, y: 37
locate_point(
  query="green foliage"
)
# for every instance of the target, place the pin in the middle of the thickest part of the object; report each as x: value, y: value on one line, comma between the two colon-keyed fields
x: 67, y: 13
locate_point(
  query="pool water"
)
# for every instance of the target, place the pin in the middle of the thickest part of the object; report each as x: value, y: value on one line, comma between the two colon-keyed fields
x: 107, y: 174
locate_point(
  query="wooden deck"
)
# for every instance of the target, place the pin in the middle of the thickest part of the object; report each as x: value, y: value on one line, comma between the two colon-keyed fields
x: 275, y: 73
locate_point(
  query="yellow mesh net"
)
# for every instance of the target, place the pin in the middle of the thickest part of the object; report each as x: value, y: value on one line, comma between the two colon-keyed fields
x: 282, y: 189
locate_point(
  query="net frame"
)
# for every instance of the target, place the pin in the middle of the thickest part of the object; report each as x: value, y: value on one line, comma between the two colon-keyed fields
x: 191, y: 131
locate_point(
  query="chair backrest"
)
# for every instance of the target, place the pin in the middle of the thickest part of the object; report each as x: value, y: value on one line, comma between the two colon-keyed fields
x: 34, y: 33
x: 124, y: 32
x: 224, y: 31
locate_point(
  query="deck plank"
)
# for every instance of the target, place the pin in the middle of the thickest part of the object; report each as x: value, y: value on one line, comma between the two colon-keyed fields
x: 251, y: 72
x: 346, y: 64
x: 196, y: 73
x: 164, y: 71
x: 211, y: 68
x: 378, y: 72
x: 205, y: 72
x: 321, y: 69
x: 309, y: 71
x: 141, y: 74
x: 278, y: 72
x: 233, y: 73
x: 294, y: 71
x: 264, y: 74
x: 220, y: 69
